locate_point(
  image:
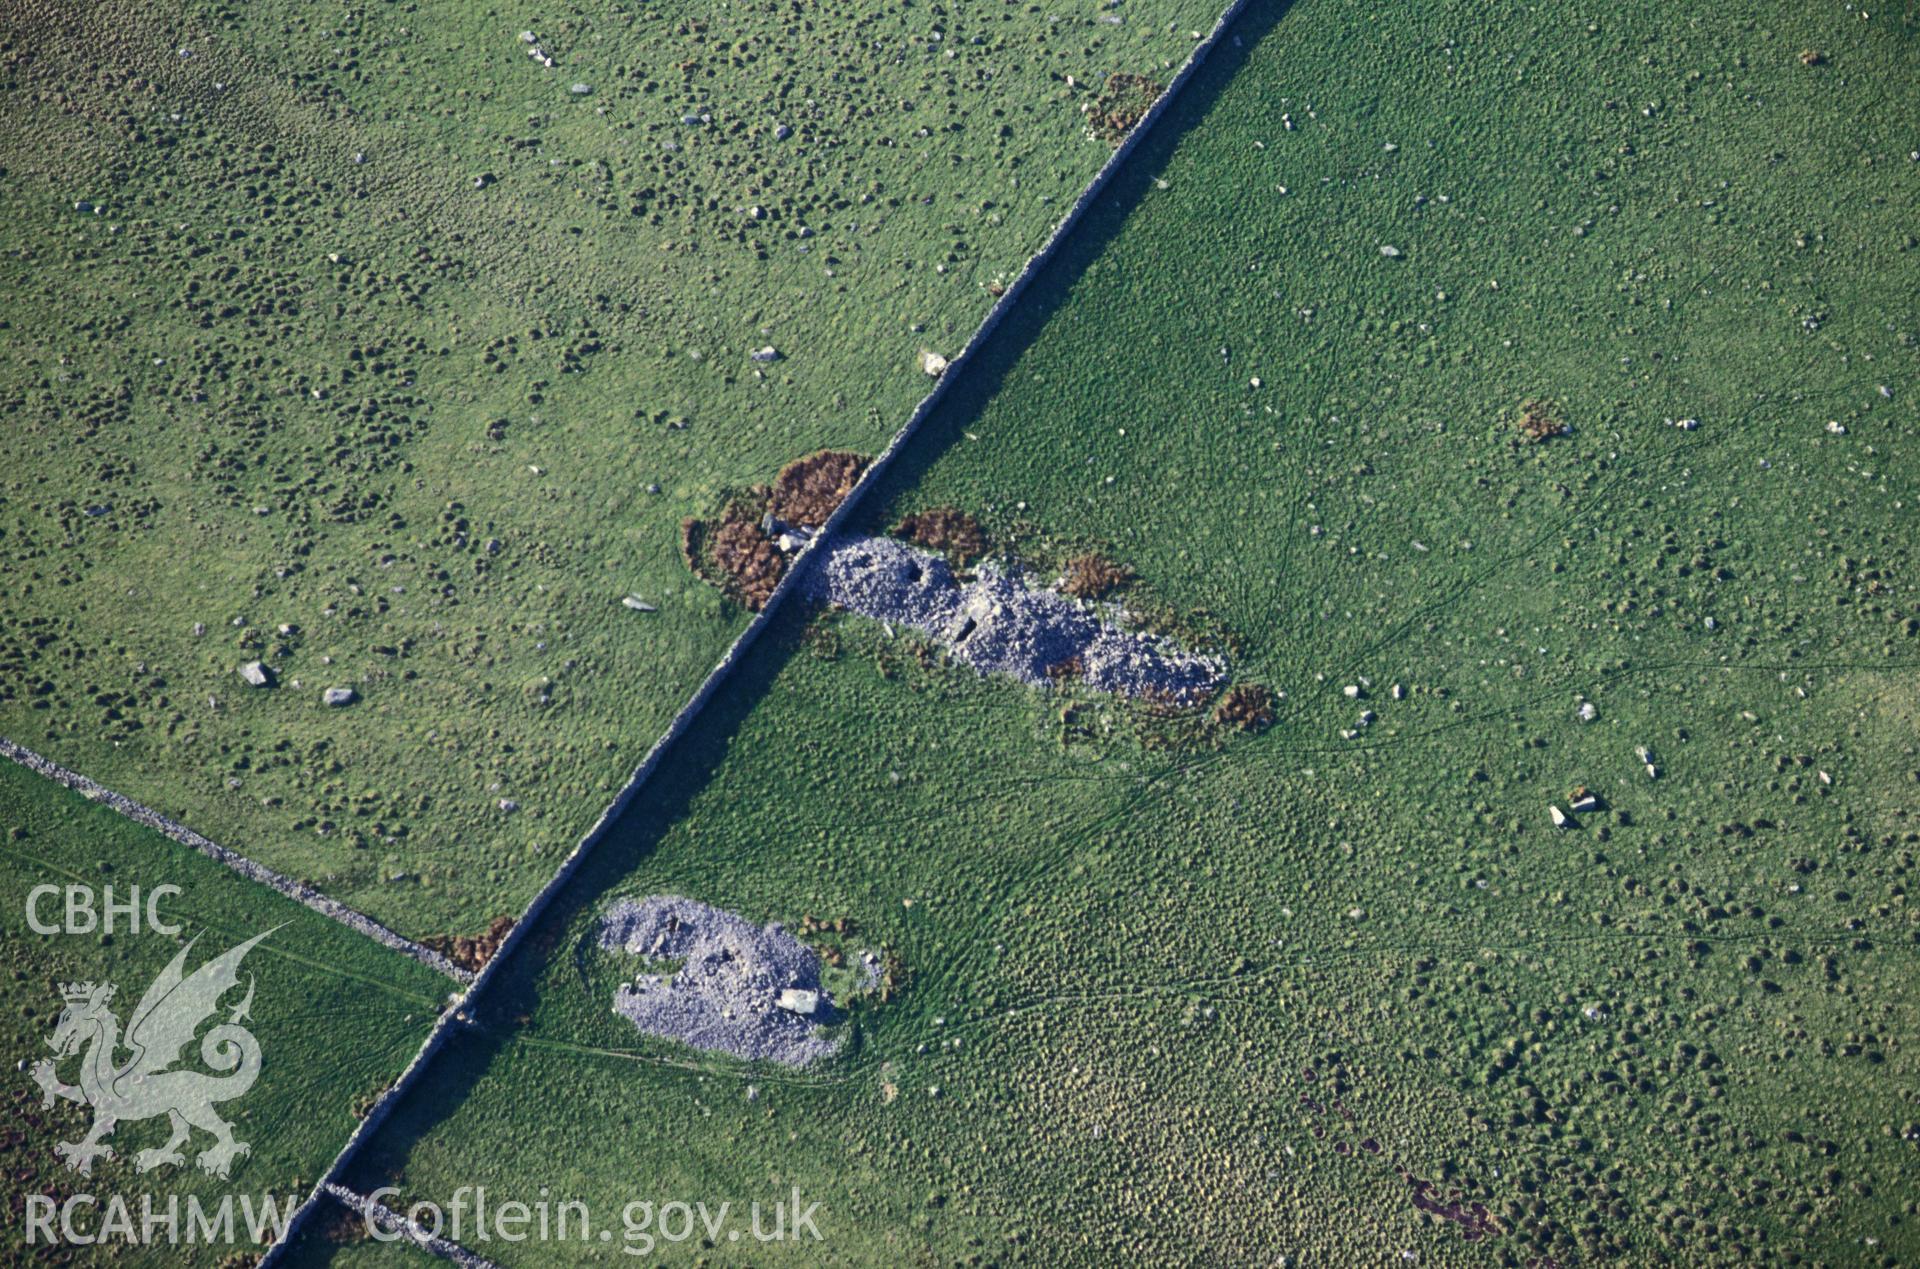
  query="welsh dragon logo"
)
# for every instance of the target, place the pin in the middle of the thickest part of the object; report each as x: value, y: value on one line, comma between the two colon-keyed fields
x: 142, y: 1086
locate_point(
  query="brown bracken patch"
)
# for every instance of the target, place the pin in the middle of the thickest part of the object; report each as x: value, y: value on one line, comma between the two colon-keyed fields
x: 893, y: 975
x: 1094, y: 576
x: 946, y: 529
x: 693, y: 545
x: 340, y: 1225
x: 1475, y: 1220
x: 733, y: 552
x: 1122, y: 103
x: 1248, y: 706
x: 1071, y: 668
x: 1538, y: 422
x: 809, y: 489
x: 751, y: 564
x: 810, y: 925
x: 471, y: 953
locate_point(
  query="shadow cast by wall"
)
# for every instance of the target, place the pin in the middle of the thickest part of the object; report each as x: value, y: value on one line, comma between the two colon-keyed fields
x: 689, y: 765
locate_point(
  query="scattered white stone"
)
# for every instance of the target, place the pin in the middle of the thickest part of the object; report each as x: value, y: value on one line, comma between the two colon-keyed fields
x: 1391, y: 253
x: 1825, y: 778
x: 933, y: 363
x: 765, y: 355
x: 1836, y: 427
x: 638, y: 604
x: 1560, y: 818
x: 799, y: 1000
x: 580, y: 90
x: 1587, y: 803
x: 1351, y: 691
x: 509, y: 805
x: 781, y: 132
x: 257, y: 674
x: 1588, y: 712
x: 339, y: 696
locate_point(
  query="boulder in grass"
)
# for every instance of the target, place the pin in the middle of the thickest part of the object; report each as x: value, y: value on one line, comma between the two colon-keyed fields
x: 339, y: 696
x: 257, y: 674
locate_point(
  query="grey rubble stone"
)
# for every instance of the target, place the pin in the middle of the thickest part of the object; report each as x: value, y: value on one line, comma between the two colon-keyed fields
x: 257, y: 674
x: 733, y: 988
x: 764, y: 355
x: 999, y: 624
x: 338, y: 696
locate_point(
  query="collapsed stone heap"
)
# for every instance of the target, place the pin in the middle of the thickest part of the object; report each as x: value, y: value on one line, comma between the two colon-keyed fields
x: 742, y: 989
x: 1000, y: 624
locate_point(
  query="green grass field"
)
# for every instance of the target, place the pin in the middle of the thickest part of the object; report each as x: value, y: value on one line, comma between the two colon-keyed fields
x: 336, y: 1016
x: 1185, y: 994
x: 1120, y: 971
x: 278, y: 373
